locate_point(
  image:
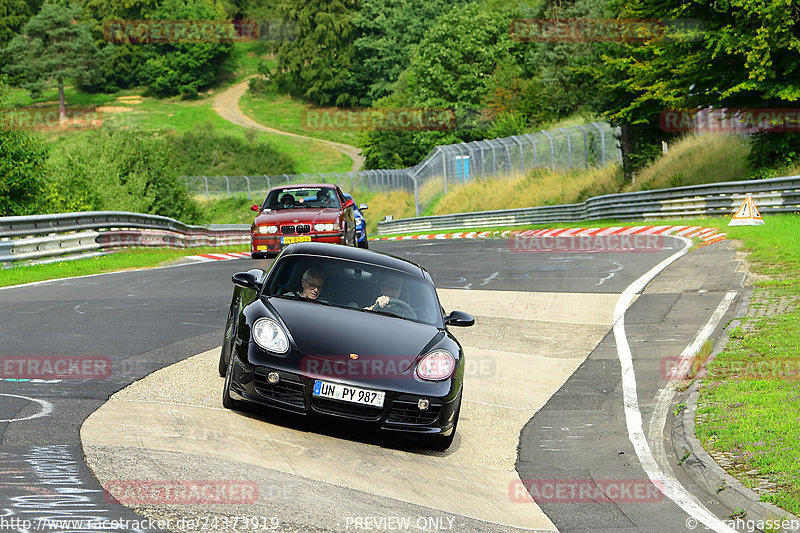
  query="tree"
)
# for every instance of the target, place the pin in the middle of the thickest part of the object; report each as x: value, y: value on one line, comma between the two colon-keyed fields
x: 316, y: 64
x: 388, y: 32
x: 118, y: 64
x: 185, y: 68
x: 23, y: 176
x: 13, y: 15
x: 53, y: 46
x: 454, y: 67
x: 745, y: 56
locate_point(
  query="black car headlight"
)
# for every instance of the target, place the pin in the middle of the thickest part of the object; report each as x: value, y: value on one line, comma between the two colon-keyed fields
x: 436, y: 366
x: 270, y: 336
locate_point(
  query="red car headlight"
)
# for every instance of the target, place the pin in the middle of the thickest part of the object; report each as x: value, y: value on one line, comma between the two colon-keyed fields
x: 436, y: 366
x: 327, y: 226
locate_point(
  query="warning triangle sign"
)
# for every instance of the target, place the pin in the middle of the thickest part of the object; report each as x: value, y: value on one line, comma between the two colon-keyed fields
x: 747, y: 214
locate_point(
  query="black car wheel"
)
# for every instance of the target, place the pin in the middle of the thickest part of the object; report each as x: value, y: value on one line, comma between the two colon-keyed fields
x: 364, y: 243
x: 229, y: 341
x: 440, y: 443
x: 227, y: 401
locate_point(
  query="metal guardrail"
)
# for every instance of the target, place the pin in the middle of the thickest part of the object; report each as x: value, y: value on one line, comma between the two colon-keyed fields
x: 777, y: 195
x: 29, y: 238
x: 564, y: 148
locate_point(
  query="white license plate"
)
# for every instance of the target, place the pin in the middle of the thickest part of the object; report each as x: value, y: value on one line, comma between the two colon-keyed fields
x: 337, y: 391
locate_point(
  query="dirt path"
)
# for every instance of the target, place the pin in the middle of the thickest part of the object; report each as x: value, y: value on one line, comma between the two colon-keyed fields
x: 226, y: 104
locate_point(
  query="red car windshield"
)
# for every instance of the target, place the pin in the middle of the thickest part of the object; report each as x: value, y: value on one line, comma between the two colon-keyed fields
x: 301, y: 197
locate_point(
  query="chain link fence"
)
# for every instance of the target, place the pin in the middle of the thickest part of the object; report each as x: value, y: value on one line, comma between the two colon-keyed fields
x: 585, y: 146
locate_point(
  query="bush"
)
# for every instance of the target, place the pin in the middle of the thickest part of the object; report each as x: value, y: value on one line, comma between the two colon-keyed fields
x: 119, y: 170
x: 23, y: 175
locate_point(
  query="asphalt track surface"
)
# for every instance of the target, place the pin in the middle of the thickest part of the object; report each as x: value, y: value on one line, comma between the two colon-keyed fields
x: 146, y: 320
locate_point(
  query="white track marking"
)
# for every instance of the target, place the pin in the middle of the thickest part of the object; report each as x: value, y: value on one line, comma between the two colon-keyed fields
x: 669, y: 485
x: 659, y: 419
x: 46, y: 406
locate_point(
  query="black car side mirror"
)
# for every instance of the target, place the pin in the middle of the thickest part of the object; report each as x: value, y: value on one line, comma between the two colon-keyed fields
x: 248, y: 280
x: 459, y: 318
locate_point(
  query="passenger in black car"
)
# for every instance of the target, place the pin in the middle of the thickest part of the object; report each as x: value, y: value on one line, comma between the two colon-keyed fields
x: 311, y: 284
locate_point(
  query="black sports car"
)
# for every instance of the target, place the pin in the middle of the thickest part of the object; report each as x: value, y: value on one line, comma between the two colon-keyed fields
x: 347, y: 333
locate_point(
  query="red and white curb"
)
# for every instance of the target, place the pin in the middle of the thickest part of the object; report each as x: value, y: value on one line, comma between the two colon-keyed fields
x: 204, y: 258
x: 708, y: 235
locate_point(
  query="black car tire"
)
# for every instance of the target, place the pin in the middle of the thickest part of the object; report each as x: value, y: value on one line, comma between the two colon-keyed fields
x: 229, y: 340
x: 227, y: 401
x: 440, y: 443
x: 364, y: 244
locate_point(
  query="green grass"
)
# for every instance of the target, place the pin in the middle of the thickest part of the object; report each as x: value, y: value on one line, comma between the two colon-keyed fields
x: 121, y: 260
x: 539, y: 187
x: 749, y: 407
x: 160, y: 116
x: 244, y: 61
x: 284, y: 113
x: 233, y: 210
x: 72, y: 97
x: 697, y: 159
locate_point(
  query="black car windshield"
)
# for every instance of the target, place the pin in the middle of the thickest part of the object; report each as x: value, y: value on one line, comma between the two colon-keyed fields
x: 367, y: 288
x: 300, y: 197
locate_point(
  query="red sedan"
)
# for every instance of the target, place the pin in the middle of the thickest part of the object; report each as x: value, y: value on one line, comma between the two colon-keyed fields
x: 302, y: 213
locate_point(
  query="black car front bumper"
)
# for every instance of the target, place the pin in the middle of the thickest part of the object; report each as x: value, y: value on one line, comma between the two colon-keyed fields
x: 293, y: 393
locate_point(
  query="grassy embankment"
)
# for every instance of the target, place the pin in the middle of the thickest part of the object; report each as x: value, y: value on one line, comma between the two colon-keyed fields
x: 749, y: 407
x: 132, y: 109
x: 282, y: 112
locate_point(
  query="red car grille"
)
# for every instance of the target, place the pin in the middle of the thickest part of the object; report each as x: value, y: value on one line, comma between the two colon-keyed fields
x: 300, y: 228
